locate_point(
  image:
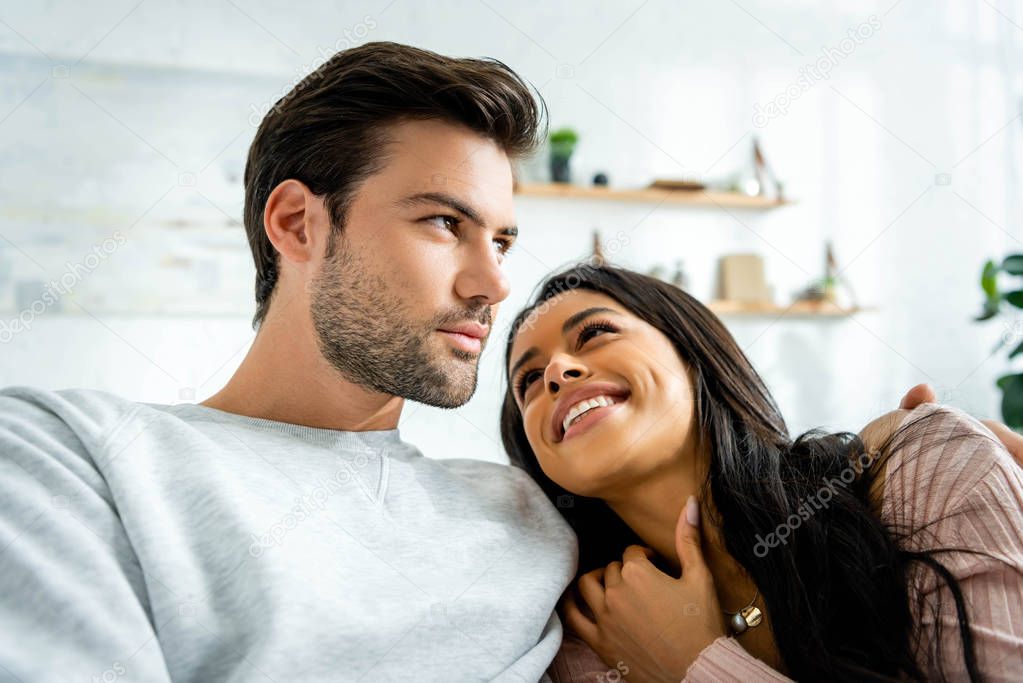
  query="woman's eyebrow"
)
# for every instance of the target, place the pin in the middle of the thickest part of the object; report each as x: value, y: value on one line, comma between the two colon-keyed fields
x: 524, y: 358
x: 571, y: 322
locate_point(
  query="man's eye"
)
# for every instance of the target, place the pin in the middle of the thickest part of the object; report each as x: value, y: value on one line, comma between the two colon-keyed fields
x: 444, y: 222
x: 503, y: 246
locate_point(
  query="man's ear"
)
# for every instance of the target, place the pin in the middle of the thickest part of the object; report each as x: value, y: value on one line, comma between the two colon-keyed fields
x: 296, y: 221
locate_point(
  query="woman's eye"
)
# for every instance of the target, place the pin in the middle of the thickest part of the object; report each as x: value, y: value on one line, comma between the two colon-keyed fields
x: 593, y: 330
x: 526, y: 379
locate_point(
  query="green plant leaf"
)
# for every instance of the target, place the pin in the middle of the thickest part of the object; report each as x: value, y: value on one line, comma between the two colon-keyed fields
x: 1012, y: 400
x: 989, y: 280
x: 1014, y: 298
x: 1004, y: 380
x: 990, y: 311
x: 564, y: 136
x: 1013, y: 264
x: 1016, y: 351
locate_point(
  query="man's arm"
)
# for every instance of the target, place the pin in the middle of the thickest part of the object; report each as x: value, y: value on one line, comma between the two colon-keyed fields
x: 73, y: 602
x: 1013, y: 442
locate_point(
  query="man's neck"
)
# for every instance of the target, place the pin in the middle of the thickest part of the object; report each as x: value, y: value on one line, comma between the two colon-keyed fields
x: 284, y: 377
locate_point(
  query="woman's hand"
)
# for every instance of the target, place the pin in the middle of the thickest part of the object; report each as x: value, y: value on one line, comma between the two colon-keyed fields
x: 651, y: 622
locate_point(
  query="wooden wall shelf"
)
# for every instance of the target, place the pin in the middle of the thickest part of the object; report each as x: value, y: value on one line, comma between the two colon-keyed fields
x: 802, y: 309
x: 695, y: 198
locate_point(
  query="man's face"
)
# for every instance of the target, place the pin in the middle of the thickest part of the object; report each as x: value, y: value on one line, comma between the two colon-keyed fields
x: 405, y: 303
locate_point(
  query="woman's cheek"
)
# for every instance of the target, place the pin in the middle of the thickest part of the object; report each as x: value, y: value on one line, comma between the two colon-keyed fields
x: 534, y: 430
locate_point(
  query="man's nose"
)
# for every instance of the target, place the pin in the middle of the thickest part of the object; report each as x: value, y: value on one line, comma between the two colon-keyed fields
x: 483, y: 280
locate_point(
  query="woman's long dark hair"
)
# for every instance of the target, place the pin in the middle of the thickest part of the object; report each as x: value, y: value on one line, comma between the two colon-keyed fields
x: 838, y: 589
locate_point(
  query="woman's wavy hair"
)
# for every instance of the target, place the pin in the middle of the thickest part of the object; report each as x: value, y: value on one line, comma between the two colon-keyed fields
x: 838, y: 589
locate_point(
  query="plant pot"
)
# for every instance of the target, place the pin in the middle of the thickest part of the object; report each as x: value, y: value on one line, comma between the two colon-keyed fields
x: 561, y: 169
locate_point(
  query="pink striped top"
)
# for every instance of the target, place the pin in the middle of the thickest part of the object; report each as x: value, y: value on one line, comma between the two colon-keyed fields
x: 974, y: 487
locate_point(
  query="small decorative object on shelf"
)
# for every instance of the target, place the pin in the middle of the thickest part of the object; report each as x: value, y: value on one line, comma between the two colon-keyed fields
x: 677, y: 184
x: 679, y: 279
x: 826, y: 289
x: 656, y: 271
x: 562, y: 143
x: 597, y: 258
x: 741, y: 280
x: 600, y: 179
x: 755, y: 181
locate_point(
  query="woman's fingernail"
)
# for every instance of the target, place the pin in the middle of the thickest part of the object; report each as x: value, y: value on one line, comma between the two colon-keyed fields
x: 692, y: 511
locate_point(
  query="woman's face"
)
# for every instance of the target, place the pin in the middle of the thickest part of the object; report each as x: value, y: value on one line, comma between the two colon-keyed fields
x: 606, y: 401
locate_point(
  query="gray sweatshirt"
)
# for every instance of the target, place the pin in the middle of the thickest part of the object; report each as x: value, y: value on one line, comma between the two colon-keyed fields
x: 144, y: 542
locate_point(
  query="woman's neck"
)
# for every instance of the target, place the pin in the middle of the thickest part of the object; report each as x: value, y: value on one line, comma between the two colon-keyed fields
x: 652, y: 507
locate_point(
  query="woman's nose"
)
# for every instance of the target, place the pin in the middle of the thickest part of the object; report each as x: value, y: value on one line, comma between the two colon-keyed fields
x: 561, y: 371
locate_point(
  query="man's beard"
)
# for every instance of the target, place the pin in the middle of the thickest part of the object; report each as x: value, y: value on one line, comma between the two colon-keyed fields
x: 367, y: 332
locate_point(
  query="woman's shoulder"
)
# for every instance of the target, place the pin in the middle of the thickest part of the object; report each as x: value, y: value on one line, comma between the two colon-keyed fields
x: 944, y: 463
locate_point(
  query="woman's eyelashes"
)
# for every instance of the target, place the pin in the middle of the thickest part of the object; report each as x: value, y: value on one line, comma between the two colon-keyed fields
x: 525, y: 379
x: 590, y: 330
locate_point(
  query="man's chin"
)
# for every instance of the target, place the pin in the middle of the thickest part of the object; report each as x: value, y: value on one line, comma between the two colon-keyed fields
x: 452, y: 399
x: 458, y: 387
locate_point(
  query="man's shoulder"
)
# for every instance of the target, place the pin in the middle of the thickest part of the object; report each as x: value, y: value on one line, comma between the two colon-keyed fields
x: 505, y: 485
x: 51, y: 422
x: 88, y: 414
x: 944, y: 461
x: 486, y: 470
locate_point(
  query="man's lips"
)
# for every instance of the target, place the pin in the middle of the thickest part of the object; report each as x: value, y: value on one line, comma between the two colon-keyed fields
x: 468, y: 337
x: 586, y: 391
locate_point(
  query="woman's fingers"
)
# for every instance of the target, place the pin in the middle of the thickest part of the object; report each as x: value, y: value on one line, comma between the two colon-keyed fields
x: 636, y: 553
x: 687, y: 539
x: 577, y: 621
x: 591, y: 588
x: 612, y: 574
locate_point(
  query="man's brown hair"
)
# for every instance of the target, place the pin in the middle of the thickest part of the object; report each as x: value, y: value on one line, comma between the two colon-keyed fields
x: 329, y: 131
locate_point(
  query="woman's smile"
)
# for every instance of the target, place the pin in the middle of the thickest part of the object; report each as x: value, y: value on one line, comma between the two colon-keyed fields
x: 580, y: 408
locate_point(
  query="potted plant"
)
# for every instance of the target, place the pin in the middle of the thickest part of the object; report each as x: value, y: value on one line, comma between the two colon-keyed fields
x: 562, y: 144
x: 994, y: 301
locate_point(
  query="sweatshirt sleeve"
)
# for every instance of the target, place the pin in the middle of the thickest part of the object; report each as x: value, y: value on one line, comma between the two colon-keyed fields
x: 725, y: 661
x: 577, y: 663
x: 74, y: 598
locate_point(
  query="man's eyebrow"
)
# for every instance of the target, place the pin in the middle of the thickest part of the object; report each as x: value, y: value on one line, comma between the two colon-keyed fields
x: 456, y: 204
x: 572, y: 321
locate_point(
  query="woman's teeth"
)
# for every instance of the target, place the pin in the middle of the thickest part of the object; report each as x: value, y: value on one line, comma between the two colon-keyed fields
x: 583, y: 407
